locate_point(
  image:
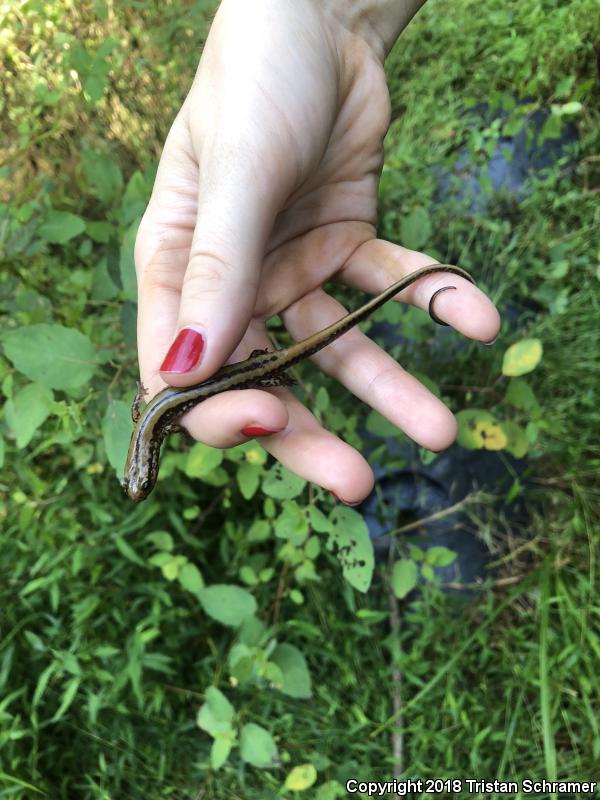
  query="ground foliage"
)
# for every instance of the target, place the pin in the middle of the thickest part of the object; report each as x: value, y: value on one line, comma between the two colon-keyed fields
x: 218, y: 641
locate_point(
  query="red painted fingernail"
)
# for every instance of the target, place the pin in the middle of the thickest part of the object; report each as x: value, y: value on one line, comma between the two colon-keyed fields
x: 257, y: 430
x: 184, y: 353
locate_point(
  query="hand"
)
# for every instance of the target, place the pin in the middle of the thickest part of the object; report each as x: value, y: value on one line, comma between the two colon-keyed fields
x: 267, y: 187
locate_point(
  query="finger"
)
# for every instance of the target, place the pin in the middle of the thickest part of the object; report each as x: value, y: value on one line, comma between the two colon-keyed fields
x: 296, y: 438
x: 377, y: 264
x: 372, y: 375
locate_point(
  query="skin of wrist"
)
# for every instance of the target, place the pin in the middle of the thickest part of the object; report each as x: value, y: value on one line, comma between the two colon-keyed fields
x: 378, y: 22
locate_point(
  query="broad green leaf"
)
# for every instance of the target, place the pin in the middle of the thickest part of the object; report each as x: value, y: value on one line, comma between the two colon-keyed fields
x: 99, y: 231
x: 478, y: 430
x: 318, y: 521
x: 116, y: 430
x: 61, y: 226
x: 219, y: 752
x: 517, y: 441
x: 567, y: 109
x: 312, y: 548
x: 161, y: 540
x: 332, y: 790
x: 216, y: 714
x: 55, y: 356
x: 522, y: 357
x: 257, y: 746
x: 202, y: 460
x: 300, y: 778
x: 27, y: 411
x: 259, y: 531
x: 291, y: 524
x: 248, y: 478
x: 380, y: 426
x: 93, y: 87
x: 322, y: 399
x: 226, y: 603
x: 135, y: 198
x: 520, y: 395
x: 282, y: 484
x: 350, y: 537
x: 2, y: 451
x: 415, y: 229
x: 296, y: 677
x: 103, y: 175
x: 404, y: 577
x: 440, y: 556
x: 251, y: 631
x: 190, y: 578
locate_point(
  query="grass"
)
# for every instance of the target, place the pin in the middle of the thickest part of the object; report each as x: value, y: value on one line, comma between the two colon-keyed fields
x: 104, y: 662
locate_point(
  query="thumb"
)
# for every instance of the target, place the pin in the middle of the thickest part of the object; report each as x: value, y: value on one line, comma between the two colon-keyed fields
x: 222, y: 276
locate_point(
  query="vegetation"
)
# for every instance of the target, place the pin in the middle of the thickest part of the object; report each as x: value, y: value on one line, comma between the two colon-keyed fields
x: 169, y: 650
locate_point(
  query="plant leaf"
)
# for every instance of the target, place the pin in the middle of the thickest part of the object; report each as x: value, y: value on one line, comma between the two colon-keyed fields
x: 55, y: 356
x: 226, y: 603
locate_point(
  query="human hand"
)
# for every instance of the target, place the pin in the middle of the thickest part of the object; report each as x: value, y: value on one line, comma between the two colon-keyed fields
x: 267, y: 187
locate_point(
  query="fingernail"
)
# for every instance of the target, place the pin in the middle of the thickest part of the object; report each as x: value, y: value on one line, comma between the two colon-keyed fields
x: 345, y: 502
x: 257, y: 430
x: 184, y: 353
x: 494, y: 340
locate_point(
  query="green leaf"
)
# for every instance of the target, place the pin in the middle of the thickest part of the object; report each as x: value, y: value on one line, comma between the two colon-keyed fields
x: 257, y: 746
x: 318, y: 521
x: 322, y: 399
x: 99, y: 231
x: 190, y: 578
x: 440, y: 556
x: 567, y: 109
x: 103, y: 175
x: 215, y: 715
x: 128, y: 552
x: 161, y: 540
x: 55, y: 356
x: 27, y: 411
x: 300, y: 778
x: 93, y: 87
x: 415, y: 229
x: 202, y: 460
x: 520, y: 395
x: 517, y: 442
x: 332, y: 790
x: 479, y: 430
x: 219, y: 752
x: 61, y: 226
x: 378, y: 425
x: 67, y: 699
x: 282, y: 484
x: 296, y: 677
x: 248, y: 478
x: 404, y: 577
x: 291, y: 524
x: 350, y: 536
x: 2, y: 451
x: 226, y: 603
x: 116, y: 430
x: 522, y: 357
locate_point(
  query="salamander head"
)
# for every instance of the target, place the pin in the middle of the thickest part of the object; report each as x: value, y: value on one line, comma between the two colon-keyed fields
x: 137, y: 484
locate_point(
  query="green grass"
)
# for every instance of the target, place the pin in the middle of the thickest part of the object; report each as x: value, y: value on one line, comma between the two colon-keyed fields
x: 104, y: 662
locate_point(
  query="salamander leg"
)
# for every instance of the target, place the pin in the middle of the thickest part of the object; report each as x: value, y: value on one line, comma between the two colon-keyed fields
x: 137, y: 401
